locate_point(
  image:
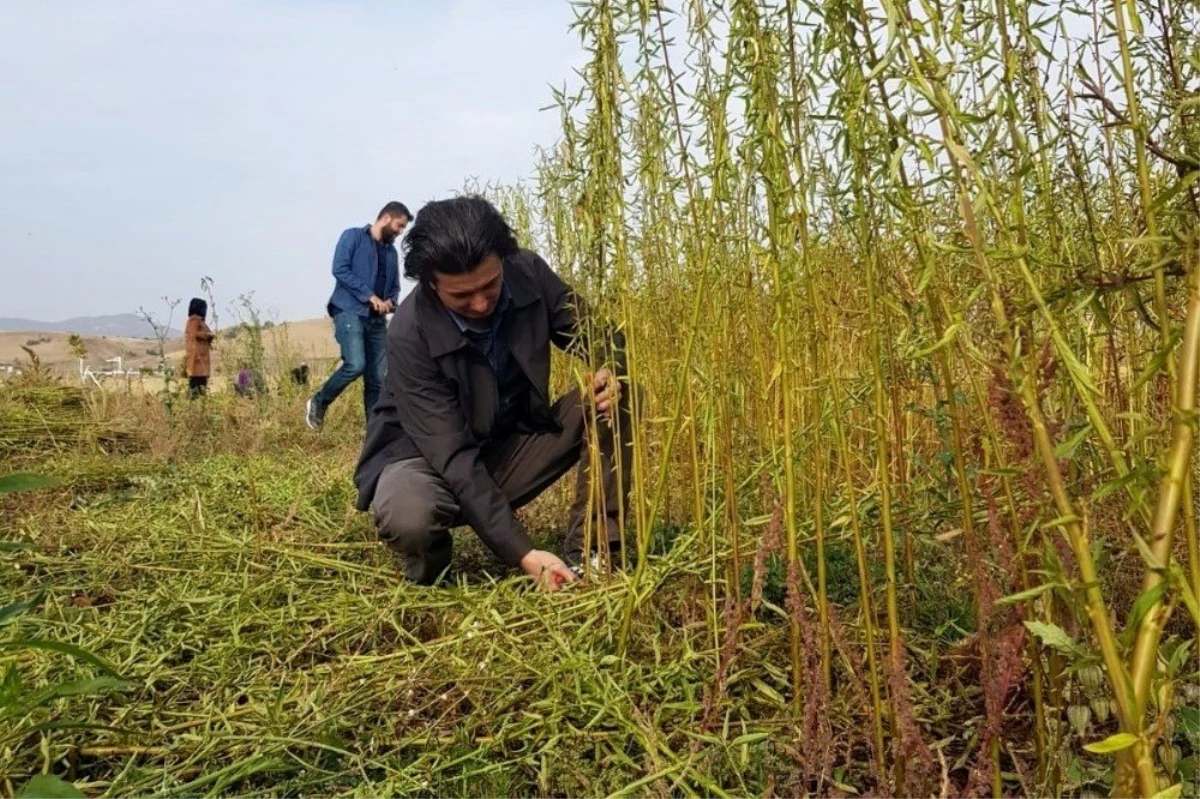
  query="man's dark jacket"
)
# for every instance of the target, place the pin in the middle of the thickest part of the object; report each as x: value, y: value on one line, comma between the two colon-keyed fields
x: 439, y: 400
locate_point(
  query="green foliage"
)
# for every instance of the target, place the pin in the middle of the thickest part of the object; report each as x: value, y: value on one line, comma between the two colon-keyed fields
x: 47, y: 786
x: 11, y: 483
x: 1117, y: 742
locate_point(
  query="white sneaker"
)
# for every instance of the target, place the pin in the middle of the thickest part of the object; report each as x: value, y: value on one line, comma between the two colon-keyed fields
x: 314, y: 414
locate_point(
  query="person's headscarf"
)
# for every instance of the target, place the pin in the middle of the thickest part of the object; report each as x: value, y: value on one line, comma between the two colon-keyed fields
x: 198, y: 307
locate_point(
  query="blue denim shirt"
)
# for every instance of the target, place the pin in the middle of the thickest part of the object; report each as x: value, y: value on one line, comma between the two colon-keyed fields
x: 356, y: 262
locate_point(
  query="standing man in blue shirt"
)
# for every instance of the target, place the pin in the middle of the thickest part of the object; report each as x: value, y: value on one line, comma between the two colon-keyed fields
x: 367, y: 273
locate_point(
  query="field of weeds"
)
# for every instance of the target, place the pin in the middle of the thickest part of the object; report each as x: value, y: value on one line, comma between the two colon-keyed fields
x: 913, y: 294
x: 208, y: 616
x: 239, y: 630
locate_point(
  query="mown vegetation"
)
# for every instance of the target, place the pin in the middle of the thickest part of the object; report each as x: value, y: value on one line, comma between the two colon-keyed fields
x: 913, y: 295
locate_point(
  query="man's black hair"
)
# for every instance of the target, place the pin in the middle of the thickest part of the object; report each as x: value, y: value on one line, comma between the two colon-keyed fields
x: 395, y: 209
x: 198, y: 307
x: 453, y: 236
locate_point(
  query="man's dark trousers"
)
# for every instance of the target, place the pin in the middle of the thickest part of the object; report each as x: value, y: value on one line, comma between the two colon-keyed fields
x: 415, y: 508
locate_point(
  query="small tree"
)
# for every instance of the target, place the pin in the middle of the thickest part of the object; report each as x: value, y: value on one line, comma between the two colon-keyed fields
x: 161, y: 334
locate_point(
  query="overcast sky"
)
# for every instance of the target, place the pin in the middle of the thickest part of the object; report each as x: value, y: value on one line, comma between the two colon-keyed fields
x: 147, y: 143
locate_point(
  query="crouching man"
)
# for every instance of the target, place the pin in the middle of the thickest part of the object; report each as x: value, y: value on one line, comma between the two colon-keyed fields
x: 465, y: 431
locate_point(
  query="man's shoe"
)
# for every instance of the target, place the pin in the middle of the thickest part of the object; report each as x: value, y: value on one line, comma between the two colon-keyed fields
x: 574, y: 561
x: 314, y: 414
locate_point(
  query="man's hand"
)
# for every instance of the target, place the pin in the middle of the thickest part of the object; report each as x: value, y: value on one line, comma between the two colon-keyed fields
x: 606, y: 391
x: 547, y: 569
x: 379, y: 306
x: 389, y: 306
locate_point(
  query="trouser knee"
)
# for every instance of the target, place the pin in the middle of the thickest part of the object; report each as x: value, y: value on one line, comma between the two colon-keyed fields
x: 404, y: 522
x: 408, y: 520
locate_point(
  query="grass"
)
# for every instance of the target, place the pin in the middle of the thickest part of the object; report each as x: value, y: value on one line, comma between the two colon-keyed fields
x: 272, y: 644
x: 271, y: 647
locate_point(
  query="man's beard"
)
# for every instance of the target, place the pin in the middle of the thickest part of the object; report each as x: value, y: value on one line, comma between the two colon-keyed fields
x: 387, y: 236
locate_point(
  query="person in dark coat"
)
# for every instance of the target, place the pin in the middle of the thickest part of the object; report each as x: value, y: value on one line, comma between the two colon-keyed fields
x: 465, y: 431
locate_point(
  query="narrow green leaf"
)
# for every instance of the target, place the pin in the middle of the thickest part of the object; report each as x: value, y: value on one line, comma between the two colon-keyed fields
x: 11, y: 688
x: 1067, y: 448
x: 1029, y: 593
x: 945, y: 341
x: 1152, y: 561
x: 1176, y: 189
x: 17, y: 608
x: 1185, y: 592
x: 1122, y: 481
x: 64, y: 648
x: 769, y: 692
x: 1118, y: 742
x: 1088, y: 301
x: 25, y: 732
x: 1101, y: 311
x: 888, y: 57
x: 90, y: 687
x: 1145, y: 601
x: 1158, y: 362
x: 961, y: 155
x: 889, y: 10
x: 1173, y: 792
x: 749, y: 738
x: 1079, y: 373
x: 1135, y: 20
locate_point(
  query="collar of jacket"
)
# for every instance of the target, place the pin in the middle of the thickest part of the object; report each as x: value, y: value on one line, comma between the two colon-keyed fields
x: 440, y: 329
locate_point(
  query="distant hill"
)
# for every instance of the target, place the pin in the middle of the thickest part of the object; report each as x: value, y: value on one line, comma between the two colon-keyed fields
x: 124, y: 325
x: 308, y: 340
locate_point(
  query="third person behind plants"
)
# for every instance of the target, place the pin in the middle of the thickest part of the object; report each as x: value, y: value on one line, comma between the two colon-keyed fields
x: 198, y: 348
x: 367, y: 287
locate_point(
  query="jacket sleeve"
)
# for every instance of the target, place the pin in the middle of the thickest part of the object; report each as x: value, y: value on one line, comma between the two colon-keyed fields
x: 429, y: 412
x: 343, y: 267
x: 575, y: 328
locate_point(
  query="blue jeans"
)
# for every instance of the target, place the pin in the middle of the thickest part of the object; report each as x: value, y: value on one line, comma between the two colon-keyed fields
x: 363, y: 341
